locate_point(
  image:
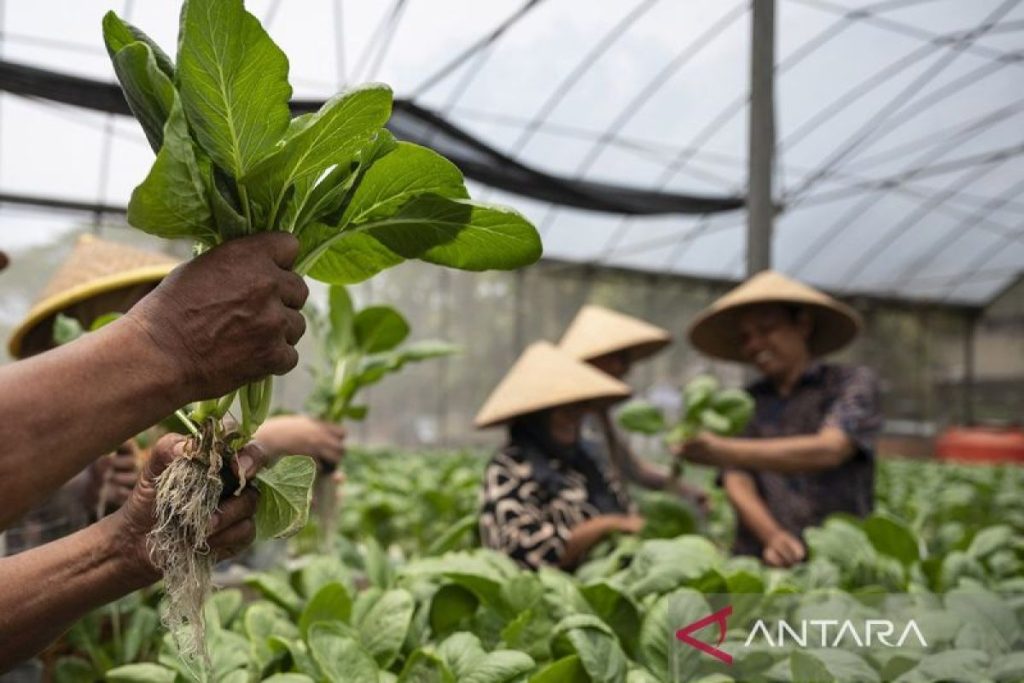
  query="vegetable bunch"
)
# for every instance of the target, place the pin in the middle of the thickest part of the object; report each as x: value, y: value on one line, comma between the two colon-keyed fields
x: 706, y: 407
x: 231, y: 161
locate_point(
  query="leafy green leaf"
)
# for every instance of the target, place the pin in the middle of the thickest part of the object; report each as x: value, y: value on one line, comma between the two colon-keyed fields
x: 458, y: 234
x: 171, y: 201
x: 991, y: 539
x: 344, y: 258
x: 286, y: 491
x: 379, y: 328
x: 141, y: 673
x: 383, y: 627
x: 139, y: 633
x: 66, y: 329
x: 736, y: 406
x: 450, y: 606
x: 715, y: 422
x: 565, y: 670
x: 339, y: 656
x: 697, y: 395
x: 407, y: 172
x: 333, y: 136
x: 951, y: 665
x: 225, y: 604
x: 596, y: 645
x: 148, y: 90
x: 893, y: 538
x: 466, y: 659
x: 837, y: 665
x: 118, y: 33
x: 642, y: 417
x: 331, y: 603
x: 658, y: 650
x: 277, y: 589
x: 73, y: 670
x: 233, y: 82
x: 425, y: 667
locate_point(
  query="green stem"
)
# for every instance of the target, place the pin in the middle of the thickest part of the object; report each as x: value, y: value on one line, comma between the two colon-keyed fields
x: 224, y: 404
x: 115, y: 626
x: 246, y: 403
x: 263, y: 408
x: 183, y: 418
x: 243, y: 194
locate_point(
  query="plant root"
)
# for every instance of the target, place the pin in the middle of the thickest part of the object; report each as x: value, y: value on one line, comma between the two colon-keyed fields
x: 187, y: 495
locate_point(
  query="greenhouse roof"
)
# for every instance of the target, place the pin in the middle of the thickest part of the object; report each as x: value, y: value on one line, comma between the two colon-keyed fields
x: 900, y: 123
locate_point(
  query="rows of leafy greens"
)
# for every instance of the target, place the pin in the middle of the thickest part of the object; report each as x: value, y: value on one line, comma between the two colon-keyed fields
x: 383, y: 608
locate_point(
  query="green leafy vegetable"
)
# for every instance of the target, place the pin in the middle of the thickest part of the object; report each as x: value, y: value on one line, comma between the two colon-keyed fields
x: 360, y: 349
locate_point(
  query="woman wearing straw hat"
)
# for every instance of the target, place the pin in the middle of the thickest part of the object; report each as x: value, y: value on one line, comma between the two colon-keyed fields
x: 810, y: 447
x: 546, y: 500
x: 101, y: 277
x: 613, y: 342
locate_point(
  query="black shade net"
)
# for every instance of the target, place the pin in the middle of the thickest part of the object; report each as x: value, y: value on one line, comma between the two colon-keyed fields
x: 414, y: 123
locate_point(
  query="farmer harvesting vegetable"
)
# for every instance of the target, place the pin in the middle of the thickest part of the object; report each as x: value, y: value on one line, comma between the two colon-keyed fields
x: 101, y: 277
x: 613, y: 343
x: 45, y: 590
x: 809, y: 449
x: 226, y: 318
x: 546, y: 499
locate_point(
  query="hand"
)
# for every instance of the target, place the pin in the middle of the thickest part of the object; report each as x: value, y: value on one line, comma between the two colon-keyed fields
x: 230, y: 316
x: 700, y: 449
x: 303, y: 435
x: 696, y: 495
x: 112, y: 478
x: 232, y: 528
x: 783, y: 550
x: 629, y: 524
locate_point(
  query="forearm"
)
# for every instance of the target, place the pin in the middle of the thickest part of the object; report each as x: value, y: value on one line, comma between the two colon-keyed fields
x: 64, y: 408
x: 45, y: 590
x: 749, y: 506
x: 804, y: 453
x: 586, y: 535
x: 632, y: 467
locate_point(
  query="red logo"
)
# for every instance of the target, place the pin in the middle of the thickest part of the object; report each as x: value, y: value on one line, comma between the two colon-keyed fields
x: 719, y: 617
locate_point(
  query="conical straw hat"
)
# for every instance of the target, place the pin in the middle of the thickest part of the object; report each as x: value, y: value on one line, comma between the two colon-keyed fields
x: 545, y: 377
x: 94, y: 267
x: 596, y: 331
x: 715, y: 331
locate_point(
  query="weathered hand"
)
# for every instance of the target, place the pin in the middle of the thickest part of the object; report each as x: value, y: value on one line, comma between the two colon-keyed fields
x: 303, y: 435
x: 232, y: 528
x: 112, y: 478
x: 230, y: 316
x: 783, y: 550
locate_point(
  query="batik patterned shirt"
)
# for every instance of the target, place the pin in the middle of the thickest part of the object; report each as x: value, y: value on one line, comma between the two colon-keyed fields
x: 530, y: 504
x: 825, y: 396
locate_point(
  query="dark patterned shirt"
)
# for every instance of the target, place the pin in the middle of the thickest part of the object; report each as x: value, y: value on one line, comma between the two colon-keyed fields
x: 826, y: 395
x: 530, y: 503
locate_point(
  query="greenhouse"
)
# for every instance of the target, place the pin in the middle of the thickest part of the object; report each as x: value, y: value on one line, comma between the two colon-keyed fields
x: 528, y: 340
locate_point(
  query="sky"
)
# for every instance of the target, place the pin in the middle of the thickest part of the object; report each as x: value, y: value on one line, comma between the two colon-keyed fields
x: 878, y: 110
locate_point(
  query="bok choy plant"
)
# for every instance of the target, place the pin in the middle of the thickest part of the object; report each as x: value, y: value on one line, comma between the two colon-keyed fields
x: 360, y: 349
x: 706, y: 407
x: 232, y: 161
